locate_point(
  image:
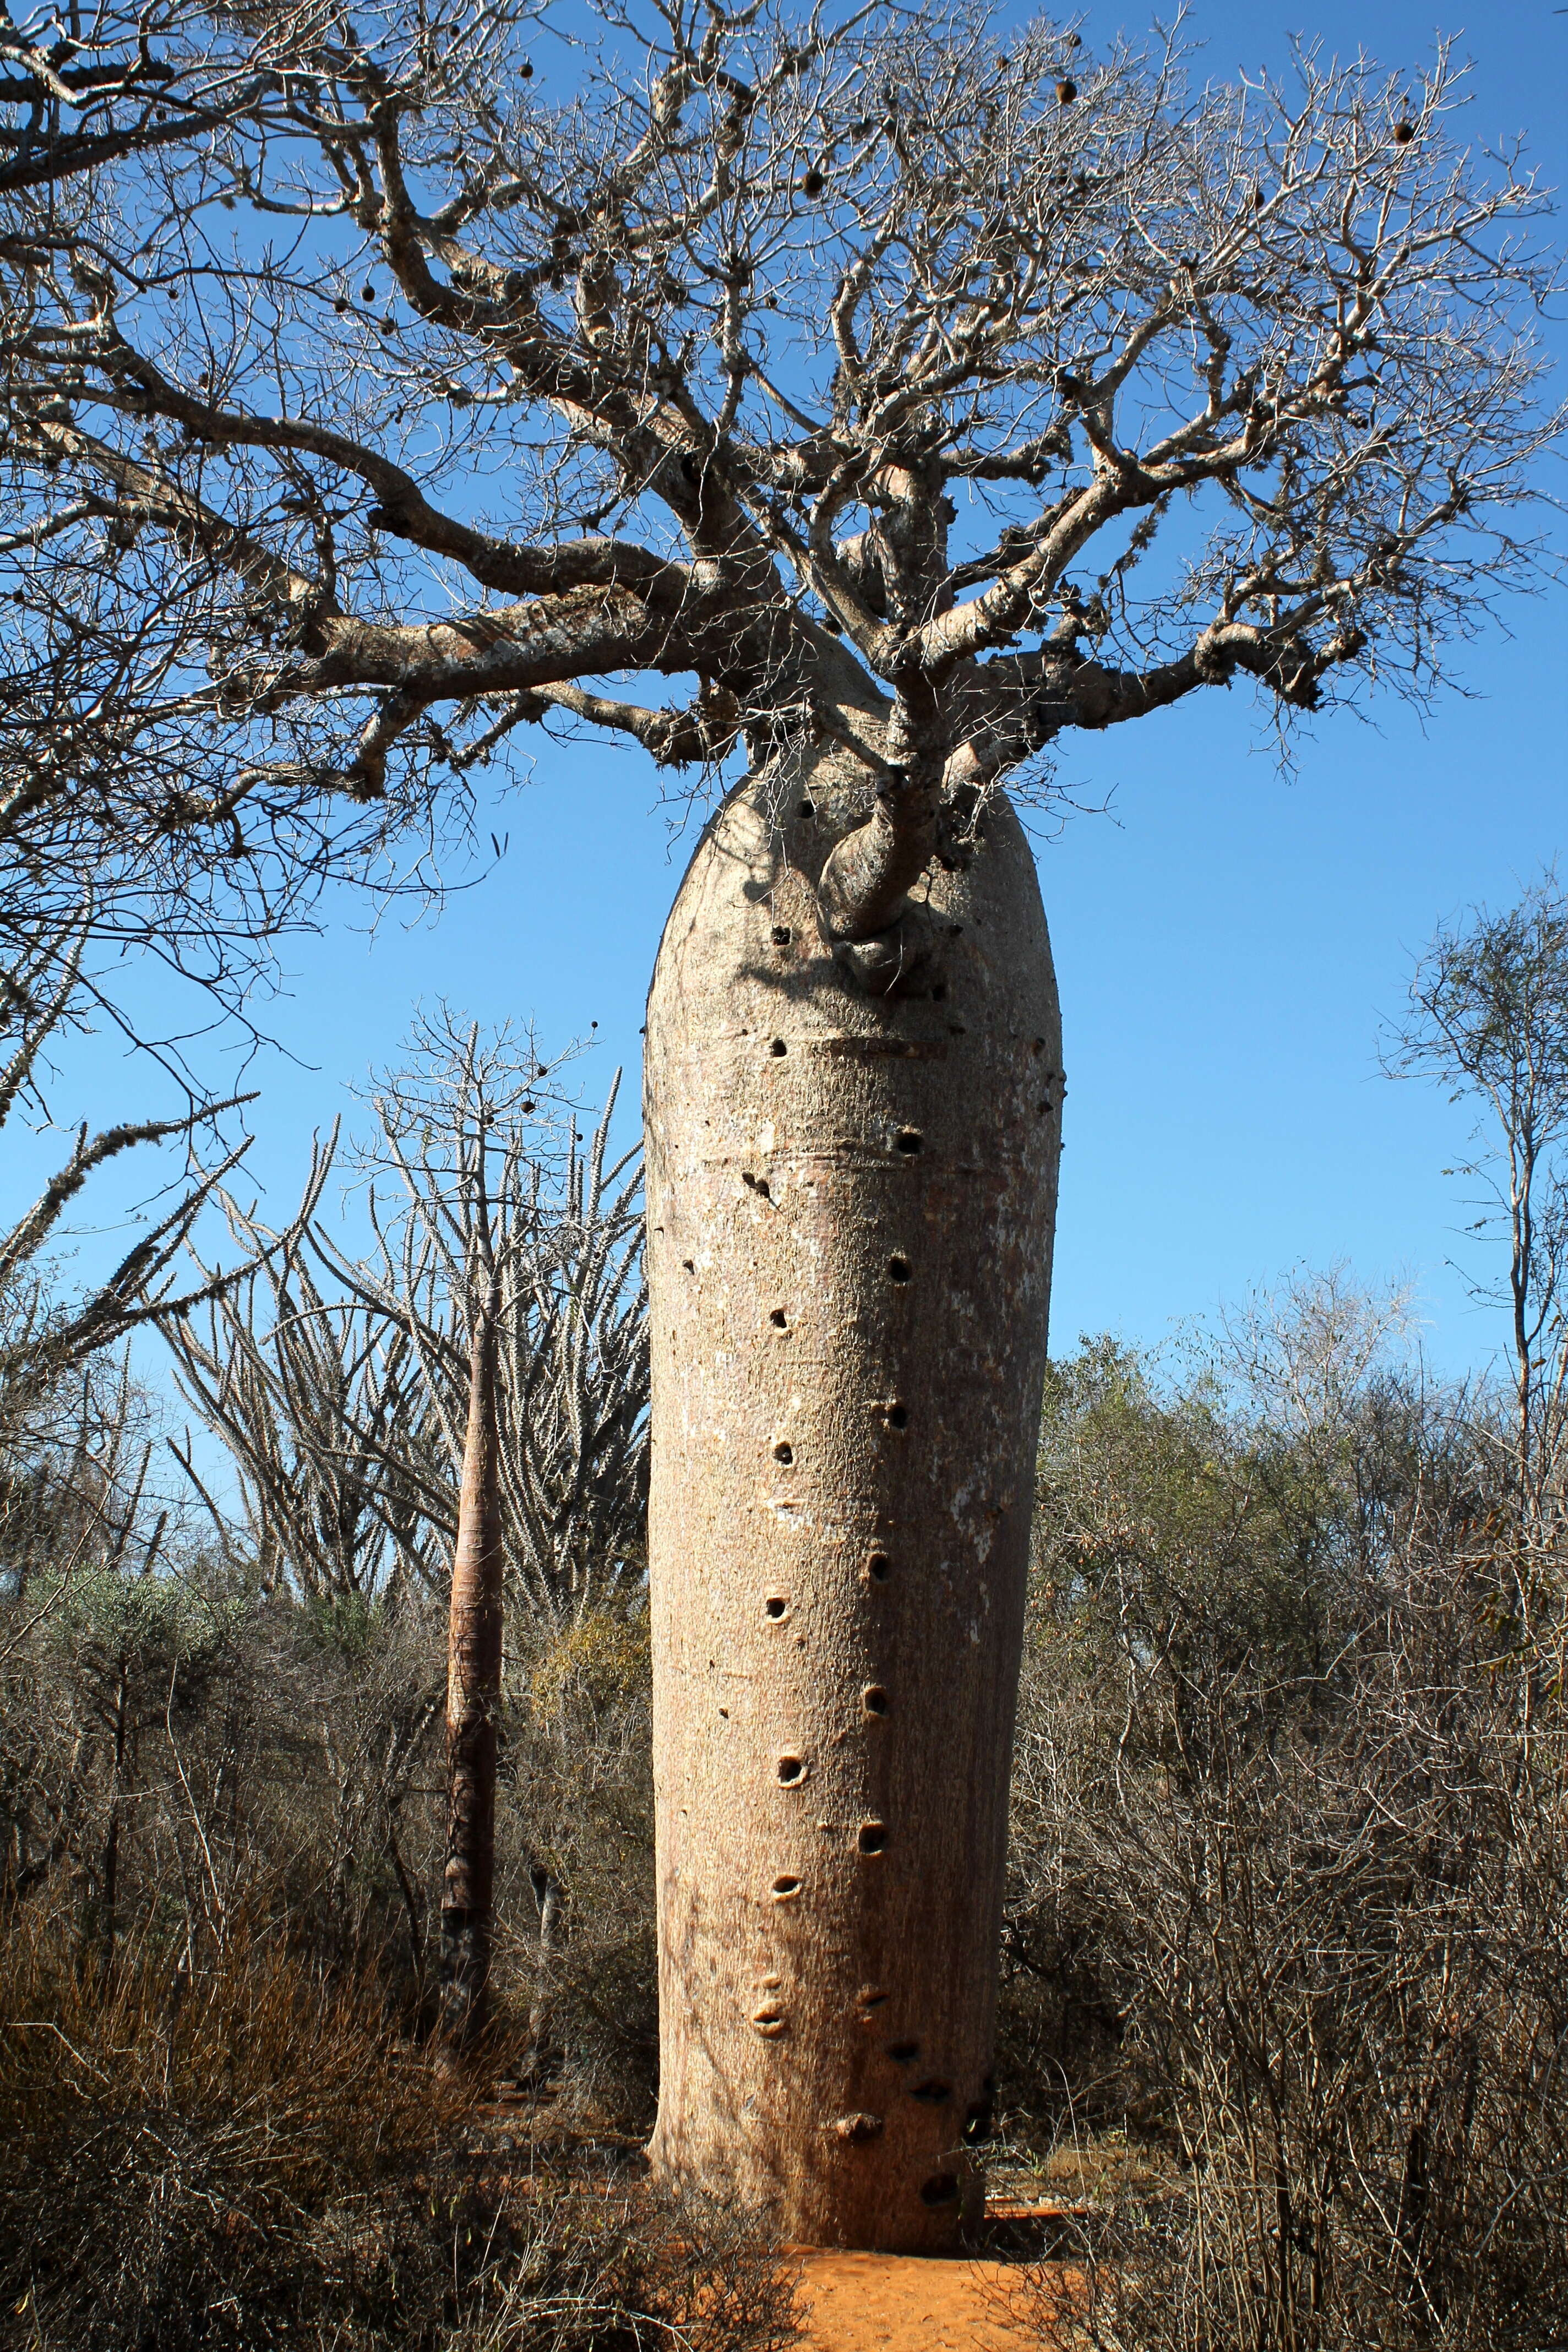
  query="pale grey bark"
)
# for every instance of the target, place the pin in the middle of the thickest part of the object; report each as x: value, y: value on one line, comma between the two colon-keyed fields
x: 850, y: 1205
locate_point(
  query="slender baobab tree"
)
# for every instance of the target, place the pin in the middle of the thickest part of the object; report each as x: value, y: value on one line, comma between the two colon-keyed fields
x: 453, y: 1128
x: 914, y: 397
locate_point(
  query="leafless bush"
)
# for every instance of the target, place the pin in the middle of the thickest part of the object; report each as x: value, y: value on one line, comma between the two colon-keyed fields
x: 1298, y: 1823
x: 44, y: 1338
x: 1487, y: 1019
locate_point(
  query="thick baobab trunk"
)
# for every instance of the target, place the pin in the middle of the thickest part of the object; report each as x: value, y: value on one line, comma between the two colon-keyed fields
x: 473, y: 1700
x: 850, y: 1199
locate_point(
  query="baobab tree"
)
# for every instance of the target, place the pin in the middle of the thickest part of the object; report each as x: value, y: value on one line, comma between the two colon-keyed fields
x: 914, y: 397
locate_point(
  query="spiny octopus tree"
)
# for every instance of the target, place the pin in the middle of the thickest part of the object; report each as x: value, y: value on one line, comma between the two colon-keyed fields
x: 914, y: 395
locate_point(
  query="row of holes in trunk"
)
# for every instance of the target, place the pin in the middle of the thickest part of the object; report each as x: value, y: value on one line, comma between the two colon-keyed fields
x: 897, y: 1416
x: 879, y: 1568
x: 898, y: 1271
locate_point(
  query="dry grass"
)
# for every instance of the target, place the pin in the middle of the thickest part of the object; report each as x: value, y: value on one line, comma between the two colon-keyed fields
x: 252, y: 2156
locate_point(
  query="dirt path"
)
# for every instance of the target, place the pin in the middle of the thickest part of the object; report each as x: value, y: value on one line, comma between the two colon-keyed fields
x: 881, y: 2303
x: 904, y: 2303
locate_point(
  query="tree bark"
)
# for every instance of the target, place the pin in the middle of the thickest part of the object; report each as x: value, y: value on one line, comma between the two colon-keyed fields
x: 109, y: 1921
x: 851, y: 1198
x: 473, y: 1701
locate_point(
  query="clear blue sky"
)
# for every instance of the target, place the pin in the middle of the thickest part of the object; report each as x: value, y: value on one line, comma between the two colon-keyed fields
x: 1228, y: 942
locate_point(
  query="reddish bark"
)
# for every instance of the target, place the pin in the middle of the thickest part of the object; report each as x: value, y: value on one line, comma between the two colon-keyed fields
x: 473, y: 1701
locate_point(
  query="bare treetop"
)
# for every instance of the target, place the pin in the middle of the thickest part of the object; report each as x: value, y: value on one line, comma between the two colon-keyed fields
x: 908, y: 390
x: 123, y: 79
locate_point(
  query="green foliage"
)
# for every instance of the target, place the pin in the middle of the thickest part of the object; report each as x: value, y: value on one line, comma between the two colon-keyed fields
x: 102, y: 1612
x: 346, y: 1622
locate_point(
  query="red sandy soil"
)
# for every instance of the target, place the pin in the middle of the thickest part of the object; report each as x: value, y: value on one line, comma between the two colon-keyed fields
x: 907, y: 2303
x: 898, y: 2303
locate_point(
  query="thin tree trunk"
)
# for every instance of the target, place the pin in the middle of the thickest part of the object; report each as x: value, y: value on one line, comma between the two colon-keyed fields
x: 850, y: 1208
x: 410, y: 1902
x: 541, y: 2012
x: 110, y: 1877
x: 473, y: 1699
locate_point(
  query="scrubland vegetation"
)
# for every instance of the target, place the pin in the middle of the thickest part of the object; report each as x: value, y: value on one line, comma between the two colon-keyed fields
x: 1286, y: 1954
x: 902, y: 402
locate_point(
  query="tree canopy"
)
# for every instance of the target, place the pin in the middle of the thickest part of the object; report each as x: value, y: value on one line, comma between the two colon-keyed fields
x: 375, y: 393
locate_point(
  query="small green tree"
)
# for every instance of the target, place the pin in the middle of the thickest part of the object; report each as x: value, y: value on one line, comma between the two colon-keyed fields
x: 1489, y: 1020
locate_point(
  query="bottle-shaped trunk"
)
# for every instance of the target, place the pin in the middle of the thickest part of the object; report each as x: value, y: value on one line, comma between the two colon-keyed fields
x: 473, y: 1703
x: 851, y: 1193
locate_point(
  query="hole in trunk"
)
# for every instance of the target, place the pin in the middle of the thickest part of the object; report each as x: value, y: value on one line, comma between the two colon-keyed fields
x: 769, y: 2020
x: 784, y: 1453
x: 778, y: 1046
x: 933, y: 2094
x: 776, y: 1605
x: 903, y: 2054
x: 779, y: 1320
x: 898, y: 1416
x: 858, y: 2128
x: 879, y: 1565
x: 782, y: 935
x: 875, y: 1699
x: 792, y: 1770
x: 942, y: 2189
x: 938, y: 993
x: 872, y: 1997
x: 690, y: 1263
x: 910, y: 1140
x: 808, y: 808
x: 785, y: 1890
x: 898, y: 1269
x: 873, y: 1837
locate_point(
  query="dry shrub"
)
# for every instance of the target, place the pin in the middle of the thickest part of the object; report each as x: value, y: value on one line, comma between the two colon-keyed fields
x: 1291, y: 1820
x: 253, y: 2157
x: 176, y: 1756
x: 174, y: 2147
x: 633, y: 2272
x: 580, y: 1764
